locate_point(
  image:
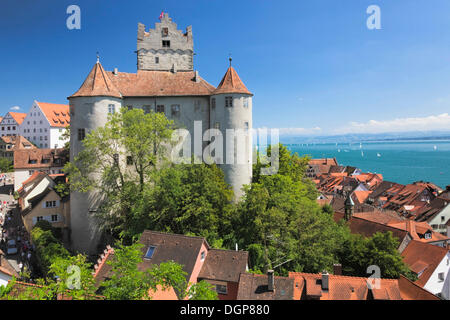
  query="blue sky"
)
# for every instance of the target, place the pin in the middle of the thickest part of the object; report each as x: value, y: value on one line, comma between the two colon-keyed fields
x: 313, y: 66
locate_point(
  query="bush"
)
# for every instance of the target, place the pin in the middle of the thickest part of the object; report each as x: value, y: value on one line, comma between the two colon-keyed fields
x: 48, y: 248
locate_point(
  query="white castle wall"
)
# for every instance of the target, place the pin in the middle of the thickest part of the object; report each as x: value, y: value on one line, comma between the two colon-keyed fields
x: 89, y: 113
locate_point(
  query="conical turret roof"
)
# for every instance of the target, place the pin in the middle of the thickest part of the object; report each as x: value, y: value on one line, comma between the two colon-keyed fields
x: 97, y: 83
x: 231, y: 83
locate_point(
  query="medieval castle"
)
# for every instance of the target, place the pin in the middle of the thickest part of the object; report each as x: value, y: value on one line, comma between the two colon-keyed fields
x: 165, y: 82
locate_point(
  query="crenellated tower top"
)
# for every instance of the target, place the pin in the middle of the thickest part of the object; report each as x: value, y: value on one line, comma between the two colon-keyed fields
x: 165, y: 48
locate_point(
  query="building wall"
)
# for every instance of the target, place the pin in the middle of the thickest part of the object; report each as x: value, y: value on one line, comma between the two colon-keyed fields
x: 437, y: 224
x: 434, y: 285
x: 4, y: 278
x: 36, y: 128
x: 150, y: 45
x: 62, y: 210
x: 238, y: 172
x: 55, y: 134
x: 9, y: 126
x: 87, y: 113
x: 20, y: 175
x: 198, y: 264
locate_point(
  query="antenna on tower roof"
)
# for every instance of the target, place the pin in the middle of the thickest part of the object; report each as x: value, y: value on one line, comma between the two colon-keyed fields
x: 231, y: 59
x: 98, y: 58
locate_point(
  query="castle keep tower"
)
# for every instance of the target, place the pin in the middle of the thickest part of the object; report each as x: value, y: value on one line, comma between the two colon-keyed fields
x: 165, y: 47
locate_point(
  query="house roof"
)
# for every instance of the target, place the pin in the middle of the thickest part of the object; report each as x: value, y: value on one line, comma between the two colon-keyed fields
x: 323, y: 161
x: 361, y: 196
x: 43, y: 158
x: 18, y: 142
x: 411, y: 291
x: 97, y: 83
x: 181, y: 249
x: 225, y: 265
x: 417, y: 230
x: 431, y: 210
x: 18, y: 116
x: 368, y: 228
x: 144, y: 83
x: 254, y: 287
x: 231, y: 83
x: 429, y: 256
x: 343, y: 287
x: 58, y: 115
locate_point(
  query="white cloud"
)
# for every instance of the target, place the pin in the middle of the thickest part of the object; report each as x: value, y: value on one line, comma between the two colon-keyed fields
x: 15, y: 108
x: 295, y: 131
x: 438, y: 122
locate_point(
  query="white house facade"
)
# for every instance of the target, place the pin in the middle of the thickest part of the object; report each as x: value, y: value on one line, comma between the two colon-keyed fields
x: 45, y: 123
x: 10, y: 124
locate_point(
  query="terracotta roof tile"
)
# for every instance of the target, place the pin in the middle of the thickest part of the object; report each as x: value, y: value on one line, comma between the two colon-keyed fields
x: 97, y: 83
x: 225, y: 265
x: 18, y: 116
x: 231, y: 83
x: 426, y: 254
x: 57, y: 114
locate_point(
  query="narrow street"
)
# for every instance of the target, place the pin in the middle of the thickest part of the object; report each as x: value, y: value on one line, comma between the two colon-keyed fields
x: 12, y: 228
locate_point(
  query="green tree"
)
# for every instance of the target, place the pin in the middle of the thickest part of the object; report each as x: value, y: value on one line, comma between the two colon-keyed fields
x: 119, y: 160
x: 68, y: 278
x: 358, y: 253
x: 280, y: 222
x: 6, y: 165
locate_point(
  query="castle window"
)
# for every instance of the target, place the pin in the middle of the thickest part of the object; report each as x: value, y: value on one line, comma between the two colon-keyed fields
x: 245, y: 102
x: 165, y: 32
x: 111, y: 108
x: 228, y: 102
x: 221, y: 289
x: 129, y: 160
x: 246, y: 125
x: 156, y: 59
x: 176, y: 110
x: 147, y: 109
x: 81, y: 134
x: 166, y: 44
x: 160, y: 108
x: 213, y: 103
x: 54, y: 218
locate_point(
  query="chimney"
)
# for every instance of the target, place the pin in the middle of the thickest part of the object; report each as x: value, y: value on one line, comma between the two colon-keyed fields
x: 196, y: 77
x: 270, y: 281
x: 325, y: 278
x: 337, y: 269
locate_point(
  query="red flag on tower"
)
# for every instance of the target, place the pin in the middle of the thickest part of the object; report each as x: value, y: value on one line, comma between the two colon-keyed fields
x: 161, y: 15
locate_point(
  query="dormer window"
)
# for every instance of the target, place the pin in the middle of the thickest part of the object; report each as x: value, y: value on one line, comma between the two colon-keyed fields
x: 166, y: 44
x: 149, y: 253
x: 428, y: 235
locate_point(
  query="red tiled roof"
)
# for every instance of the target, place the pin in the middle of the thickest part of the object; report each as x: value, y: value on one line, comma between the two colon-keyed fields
x: 52, y: 157
x: 97, y: 83
x: 427, y: 254
x: 18, y: 116
x: 231, y: 83
x: 344, y: 287
x: 18, y: 142
x: 57, y: 114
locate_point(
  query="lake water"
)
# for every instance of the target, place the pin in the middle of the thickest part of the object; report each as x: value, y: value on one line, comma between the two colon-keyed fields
x: 399, y: 161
